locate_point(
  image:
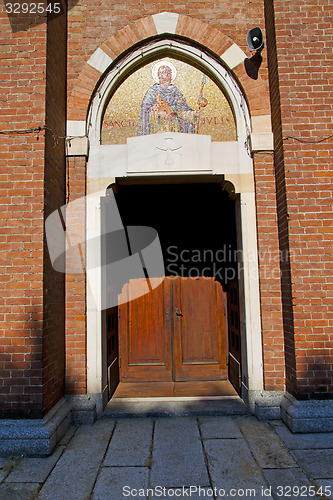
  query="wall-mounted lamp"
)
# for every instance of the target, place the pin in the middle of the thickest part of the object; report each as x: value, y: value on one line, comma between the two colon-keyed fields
x: 255, y: 42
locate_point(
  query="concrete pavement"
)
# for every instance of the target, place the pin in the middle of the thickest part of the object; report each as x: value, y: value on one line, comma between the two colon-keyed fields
x: 181, y: 457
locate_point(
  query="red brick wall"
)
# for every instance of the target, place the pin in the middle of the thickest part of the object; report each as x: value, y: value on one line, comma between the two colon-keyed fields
x: 23, y: 81
x: 90, y: 24
x: 26, y: 310
x: 269, y: 272
x: 76, y: 359
x: 281, y: 199
x: 302, y: 75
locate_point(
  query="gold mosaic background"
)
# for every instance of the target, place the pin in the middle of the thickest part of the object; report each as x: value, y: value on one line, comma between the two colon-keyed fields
x: 122, y: 115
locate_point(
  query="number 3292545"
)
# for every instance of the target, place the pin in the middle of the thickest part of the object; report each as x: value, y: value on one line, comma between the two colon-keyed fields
x: 33, y: 8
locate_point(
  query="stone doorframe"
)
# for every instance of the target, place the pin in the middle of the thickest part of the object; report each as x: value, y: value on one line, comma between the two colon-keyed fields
x: 227, y: 162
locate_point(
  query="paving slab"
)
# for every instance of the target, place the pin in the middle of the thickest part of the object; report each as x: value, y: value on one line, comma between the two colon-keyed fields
x: 75, y: 472
x: 304, y: 441
x: 327, y: 486
x: 279, y: 480
x: 266, y: 446
x: 34, y: 470
x: 68, y: 436
x: 8, y: 464
x: 111, y: 482
x: 219, y: 428
x: 232, y: 466
x: 18, y: 491
x: 318, y: 464
x: 130, y: 443
x: 178, y: 458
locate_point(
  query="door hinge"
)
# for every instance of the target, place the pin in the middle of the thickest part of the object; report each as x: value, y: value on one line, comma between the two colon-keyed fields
x: 167, y: 313
x: 119, y: 364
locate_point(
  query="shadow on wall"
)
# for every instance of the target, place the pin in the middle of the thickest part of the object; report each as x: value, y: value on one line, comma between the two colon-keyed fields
x: 316, y: 378
x: 26, y: 15
x: 21, y: 390
x: 252, y: 65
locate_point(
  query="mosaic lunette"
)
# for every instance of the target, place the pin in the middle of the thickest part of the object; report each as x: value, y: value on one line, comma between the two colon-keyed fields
x: 167, y: 95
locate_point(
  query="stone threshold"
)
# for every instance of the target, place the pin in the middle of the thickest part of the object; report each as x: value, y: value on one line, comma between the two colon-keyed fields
x: 175, y: 406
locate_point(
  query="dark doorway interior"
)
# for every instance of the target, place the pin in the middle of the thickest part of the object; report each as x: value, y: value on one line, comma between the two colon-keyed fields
x: 195, y: 223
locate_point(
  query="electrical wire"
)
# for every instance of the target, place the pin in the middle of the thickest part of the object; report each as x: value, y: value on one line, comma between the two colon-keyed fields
x: 305, y: 141
x: 23, y: 131
x: 39, y: 129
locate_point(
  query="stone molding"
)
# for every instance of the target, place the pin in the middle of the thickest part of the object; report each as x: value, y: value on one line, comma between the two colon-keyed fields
x: 77, y: 146
x: 36, y: 437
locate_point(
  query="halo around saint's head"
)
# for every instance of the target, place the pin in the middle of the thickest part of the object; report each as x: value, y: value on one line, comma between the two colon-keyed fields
x: 157, y: 66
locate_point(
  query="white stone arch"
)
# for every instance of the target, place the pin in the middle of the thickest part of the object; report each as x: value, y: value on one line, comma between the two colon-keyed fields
x: 190, y: 53
x: 230, y: 160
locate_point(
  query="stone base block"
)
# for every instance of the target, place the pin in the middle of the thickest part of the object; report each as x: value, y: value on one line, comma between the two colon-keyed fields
x: 84, y: 409
x: 307, y: 416
x: 35, y: 437
x: 267, y: 405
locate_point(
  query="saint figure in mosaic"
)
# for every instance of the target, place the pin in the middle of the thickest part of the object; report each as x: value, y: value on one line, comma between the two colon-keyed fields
x: 164, y: 108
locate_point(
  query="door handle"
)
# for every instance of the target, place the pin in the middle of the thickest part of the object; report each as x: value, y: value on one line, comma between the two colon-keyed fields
x: 178, y: 312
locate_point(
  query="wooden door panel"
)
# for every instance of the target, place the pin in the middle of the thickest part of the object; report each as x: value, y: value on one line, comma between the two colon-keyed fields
x: 199, y: 329
x: 146, y: 332
x: 198, y: 322
x: 145, y: 335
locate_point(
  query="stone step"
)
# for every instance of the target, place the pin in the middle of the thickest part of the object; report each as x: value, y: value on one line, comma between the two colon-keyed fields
x: 166, y: 407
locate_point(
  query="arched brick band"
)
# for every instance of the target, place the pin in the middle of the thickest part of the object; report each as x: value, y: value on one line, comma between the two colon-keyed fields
x: 166, y: 22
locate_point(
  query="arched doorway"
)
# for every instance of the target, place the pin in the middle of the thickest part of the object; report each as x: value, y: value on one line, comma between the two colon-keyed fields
x: 134, y: 159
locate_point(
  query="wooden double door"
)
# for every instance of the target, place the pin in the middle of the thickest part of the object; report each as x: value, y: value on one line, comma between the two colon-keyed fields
x: 177, y: 332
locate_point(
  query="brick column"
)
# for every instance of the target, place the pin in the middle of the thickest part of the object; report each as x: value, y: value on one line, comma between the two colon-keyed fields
x: 76, y: 356
x: 32, y: 178
x: 301, y: 80
x: 269, y: 273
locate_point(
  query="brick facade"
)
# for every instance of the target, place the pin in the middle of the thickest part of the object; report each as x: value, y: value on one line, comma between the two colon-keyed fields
x: 301, y: 82
x: 293, y: 187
